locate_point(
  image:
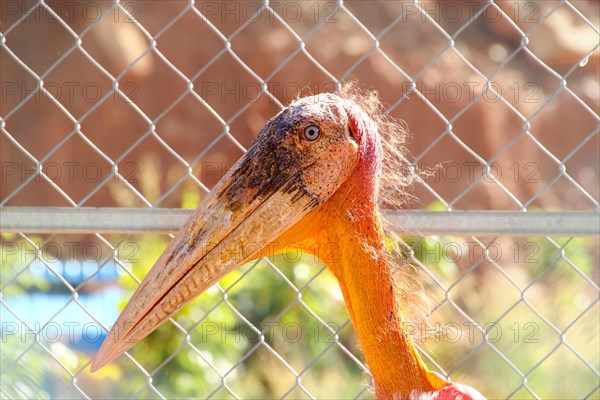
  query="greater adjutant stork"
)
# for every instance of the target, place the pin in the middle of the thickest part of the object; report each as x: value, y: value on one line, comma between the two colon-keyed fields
x: 310, y: 178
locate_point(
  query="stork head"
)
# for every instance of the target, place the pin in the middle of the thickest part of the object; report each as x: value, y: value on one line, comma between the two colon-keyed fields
x: 298, y: 161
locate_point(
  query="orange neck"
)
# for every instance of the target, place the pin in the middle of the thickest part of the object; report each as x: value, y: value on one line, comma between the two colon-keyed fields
x: 365, y: 277
x: 361, y: 266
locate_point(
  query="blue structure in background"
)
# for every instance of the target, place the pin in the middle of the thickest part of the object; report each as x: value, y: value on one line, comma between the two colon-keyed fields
x: 58, y: 315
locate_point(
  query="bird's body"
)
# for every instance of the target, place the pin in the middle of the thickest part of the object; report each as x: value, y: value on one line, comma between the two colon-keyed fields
x: 311, y: 178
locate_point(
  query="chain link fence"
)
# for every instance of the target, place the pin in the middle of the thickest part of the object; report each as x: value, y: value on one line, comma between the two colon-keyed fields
x: 147, y: 104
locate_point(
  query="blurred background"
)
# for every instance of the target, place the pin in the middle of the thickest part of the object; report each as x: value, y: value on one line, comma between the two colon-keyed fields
x: 147, y: 104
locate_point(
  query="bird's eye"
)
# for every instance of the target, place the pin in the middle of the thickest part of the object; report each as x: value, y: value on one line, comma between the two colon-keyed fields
x: 312, y: 133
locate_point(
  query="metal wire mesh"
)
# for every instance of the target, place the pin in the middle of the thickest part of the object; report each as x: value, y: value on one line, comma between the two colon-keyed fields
x: 503, y: 94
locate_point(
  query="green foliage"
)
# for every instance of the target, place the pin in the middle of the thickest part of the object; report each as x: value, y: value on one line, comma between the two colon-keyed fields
x: 17, y: 257
x: 552, y: 289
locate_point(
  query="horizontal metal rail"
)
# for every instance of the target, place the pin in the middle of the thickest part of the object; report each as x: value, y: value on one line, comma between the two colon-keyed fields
x: 164, y: 220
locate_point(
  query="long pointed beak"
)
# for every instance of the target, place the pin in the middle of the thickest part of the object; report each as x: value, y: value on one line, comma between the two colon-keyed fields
x: 250, y: 207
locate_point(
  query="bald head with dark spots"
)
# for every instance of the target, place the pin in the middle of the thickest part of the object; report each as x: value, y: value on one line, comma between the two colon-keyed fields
x: 308, y: 149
